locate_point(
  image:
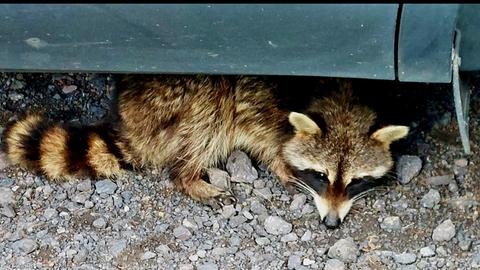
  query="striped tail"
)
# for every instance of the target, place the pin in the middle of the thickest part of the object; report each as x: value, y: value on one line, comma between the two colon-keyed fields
x: 64, y: 151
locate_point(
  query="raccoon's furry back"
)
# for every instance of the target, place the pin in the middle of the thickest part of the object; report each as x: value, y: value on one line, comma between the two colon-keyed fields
x: 63, y: 151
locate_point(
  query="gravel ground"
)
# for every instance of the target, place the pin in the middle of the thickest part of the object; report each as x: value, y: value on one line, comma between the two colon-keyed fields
x: 426, y: 218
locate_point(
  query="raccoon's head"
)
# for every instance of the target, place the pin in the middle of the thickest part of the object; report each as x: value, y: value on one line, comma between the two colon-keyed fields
x: 337, y: 159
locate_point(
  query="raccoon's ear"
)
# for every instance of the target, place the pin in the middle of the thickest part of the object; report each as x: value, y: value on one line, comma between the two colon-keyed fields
x: 389, y: 134
x: 303, y: 124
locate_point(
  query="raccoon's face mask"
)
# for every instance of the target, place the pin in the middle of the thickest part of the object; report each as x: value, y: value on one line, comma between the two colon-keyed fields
x: 337, y: 166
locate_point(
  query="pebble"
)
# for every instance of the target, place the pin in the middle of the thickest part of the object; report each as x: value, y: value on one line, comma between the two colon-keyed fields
x: 117, y: 246
x: 405, y: 258
x: 182, y: 233
x: 294, y: 261
x: 25, y: 246
x: 85, y: 185
x: 190, y: 224
x: 476, y: 261
x: 263, y: 193
x: 258, y: 208
x: 3, y: 158
x: 219, y: 178
x: 289, y: 237
x: 6, y: 196
x: 298, y: 201
x: 441, y: 180
x: 99, y: 223
x: 82, y: 197
x: 207, y: 266
x: 236, y: 221
x: 391, y: 223
x: 307, y: 261
x: 228, y: 211
x: 106, y: 187
x: 262, y: 241
x: 15, y: 96
x: 461, y: 162
x: 67, y: 89
x: 334, y: 264
x: 185, y: 267
x: 427, y: 252
x: 465, y: 244
x: 407, y: 168
x: 307, y: 236
x: 276, y: 225
x: 8, y: 211
x: 430, y: 199
x: 148, y: 255
x: 444, y: 232
x: 50, y: 213
x: 240, y: 168
x: 6, y: 182
x: 344, y: 250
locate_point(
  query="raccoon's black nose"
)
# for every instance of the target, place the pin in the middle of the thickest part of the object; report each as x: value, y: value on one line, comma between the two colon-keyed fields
x: 332, y: 221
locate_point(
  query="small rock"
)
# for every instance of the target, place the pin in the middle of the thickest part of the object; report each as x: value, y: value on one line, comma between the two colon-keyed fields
x: 247, y: 214
x: 15, y: 96
x: 407, y: 168
x: 105, y: 186
x: 277, y: 226
x: 25, y: 246
x: 190, y: 224
x: 441, y: 180
x: 465, y: 244
x: 99, y: 223
x: 307, y: 261
x: 85, y: 185
x: 289, y: 237
x: 476, y: 260
x: 240, y: 167
x: 6, y: 195
x: 344, y: 250
x: 3, y: 158
x: 148, y: 255
x: 207, y: 266
x: 182, y: 233
x: 81, y: 256
x: 461, y: 162
x: 307, y: 236
x: 193, y: 257
x: 334, y: 264
x: 201, y: 253
x: 8, y: 211
x: 262, y: 241
x: 453, y: 187
x: 228, y: 211
x: 236, y: 221
x: 294, y: 261
x: 298, y: 201
x: 392, y: 223
x: 50, y: 213
x: 379, y: 205
x: 430, y: 199
x: 163, y: 250
x: 219, y: 178
x: 405, y: 258
x: 6, y: 182
x: 427, y: 252
x: 264, y: 193
x: 444, y: 232
x: 67, y: 89
x: 185, y: 267
x: 258, y: 208
x: 82, y: 197
x: 117, y: 246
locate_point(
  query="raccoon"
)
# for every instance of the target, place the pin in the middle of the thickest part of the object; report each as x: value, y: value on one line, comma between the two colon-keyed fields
x: 189, y: 123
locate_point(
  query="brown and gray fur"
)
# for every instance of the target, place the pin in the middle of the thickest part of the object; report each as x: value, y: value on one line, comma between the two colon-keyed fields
x: 190, y: 123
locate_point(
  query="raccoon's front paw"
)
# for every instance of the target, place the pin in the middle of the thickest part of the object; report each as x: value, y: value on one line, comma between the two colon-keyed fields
x: 226, y: 198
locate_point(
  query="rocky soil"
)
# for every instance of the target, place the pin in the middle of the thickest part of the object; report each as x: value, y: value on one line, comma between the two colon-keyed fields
x: 427, y: 217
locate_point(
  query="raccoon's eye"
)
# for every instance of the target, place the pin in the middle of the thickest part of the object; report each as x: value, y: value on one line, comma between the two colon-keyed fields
x: 359, y: 185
